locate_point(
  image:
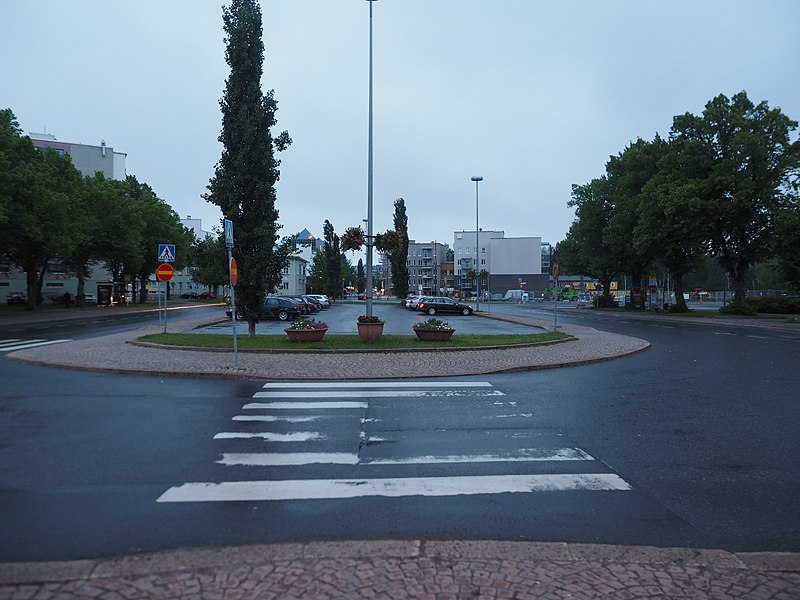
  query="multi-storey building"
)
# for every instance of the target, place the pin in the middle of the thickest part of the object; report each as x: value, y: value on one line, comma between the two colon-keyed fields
x: 472, y: 255
x: 424, y: 267
x: 496, y: 263
x: 87, y: 159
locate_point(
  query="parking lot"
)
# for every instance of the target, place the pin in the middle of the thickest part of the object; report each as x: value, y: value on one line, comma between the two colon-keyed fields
x: 341, y: 318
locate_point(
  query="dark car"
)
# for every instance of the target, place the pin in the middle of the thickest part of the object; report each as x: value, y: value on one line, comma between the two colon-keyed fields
x: 439, y: 304
x: 189, y: 295
x: 305, y: 306
x: 276, y: 307
x: 315, y: 303
x: 15, y: 298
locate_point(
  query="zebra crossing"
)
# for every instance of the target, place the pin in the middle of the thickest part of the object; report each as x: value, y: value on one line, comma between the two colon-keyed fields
x: 10, y: 345
x: 350, y: 432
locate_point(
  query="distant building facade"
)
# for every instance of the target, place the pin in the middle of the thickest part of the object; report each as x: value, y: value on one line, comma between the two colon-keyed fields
x: 87, y: 159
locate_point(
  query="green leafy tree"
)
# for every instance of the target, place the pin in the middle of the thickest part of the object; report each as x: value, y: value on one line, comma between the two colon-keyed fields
x: 332, y: 283
x: 44, y: 187
x: 788, y: 245
x: 586, y: 250
x: 244, y: 180
x: 398, y: 257
x: 210, y: 261
x: 361, y: 277
x: 745, y: 164
x: 672, y: 225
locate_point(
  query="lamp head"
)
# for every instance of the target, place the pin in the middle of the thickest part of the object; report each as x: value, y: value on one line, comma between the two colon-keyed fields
x: 477, y: 178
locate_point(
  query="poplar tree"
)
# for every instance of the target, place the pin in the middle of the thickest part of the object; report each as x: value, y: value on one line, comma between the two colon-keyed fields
x: 399, y: 257
x: 244, y: 179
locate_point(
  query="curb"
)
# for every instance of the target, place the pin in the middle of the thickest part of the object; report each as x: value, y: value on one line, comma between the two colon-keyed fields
x: 194, y: 559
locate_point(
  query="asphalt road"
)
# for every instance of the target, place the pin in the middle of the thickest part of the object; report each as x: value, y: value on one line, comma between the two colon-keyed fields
x: 692, y: 443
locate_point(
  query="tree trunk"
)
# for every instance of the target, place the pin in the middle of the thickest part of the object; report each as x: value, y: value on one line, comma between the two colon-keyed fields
x: 40, y: 284
x: 80, y: 290
x: 30, y: 281
x: 677, y: 283
x: 251, y: 328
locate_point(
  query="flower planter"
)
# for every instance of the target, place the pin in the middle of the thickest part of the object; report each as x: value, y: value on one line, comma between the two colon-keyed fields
x: 370, y: 332
x: 434, y: 335
x: 305, y: 335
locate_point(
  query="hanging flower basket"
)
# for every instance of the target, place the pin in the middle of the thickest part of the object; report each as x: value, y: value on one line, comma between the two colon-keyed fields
x: 389, y: 242
x: 352, y: 239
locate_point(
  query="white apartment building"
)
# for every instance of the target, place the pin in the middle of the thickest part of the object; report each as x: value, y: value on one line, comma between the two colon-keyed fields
x: 424, y: 267
x: 507, y: 263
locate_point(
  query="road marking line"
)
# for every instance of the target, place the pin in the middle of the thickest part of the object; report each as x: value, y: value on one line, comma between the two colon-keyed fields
x: 302, y: 405
x: 273, y: 459
x: 521, y: 455
x: 265, y: 459
x: 378, y: 384
x: 323, y: 489
x: 758, y: 337
x: 13, y: 341
x: 271, y: 419
x: 379, y: 394
x: 297, y: 436
x: 32, y: 344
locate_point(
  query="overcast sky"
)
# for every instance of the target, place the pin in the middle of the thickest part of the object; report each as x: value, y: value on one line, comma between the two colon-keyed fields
x: 532, y: 95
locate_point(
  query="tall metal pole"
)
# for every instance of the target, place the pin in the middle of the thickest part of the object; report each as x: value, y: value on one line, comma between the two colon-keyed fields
x: 369, y: 176
x: 476, y: 179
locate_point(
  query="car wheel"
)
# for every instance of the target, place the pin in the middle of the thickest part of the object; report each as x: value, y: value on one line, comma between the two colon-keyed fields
x: 466, y: 311
x: 431, y: 311
x: 283, y: 315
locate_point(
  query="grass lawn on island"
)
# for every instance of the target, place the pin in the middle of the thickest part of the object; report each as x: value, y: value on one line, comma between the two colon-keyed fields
x: 347, y: 342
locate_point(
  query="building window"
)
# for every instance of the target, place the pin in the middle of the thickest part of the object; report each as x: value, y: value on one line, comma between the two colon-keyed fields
x: 483, y: 250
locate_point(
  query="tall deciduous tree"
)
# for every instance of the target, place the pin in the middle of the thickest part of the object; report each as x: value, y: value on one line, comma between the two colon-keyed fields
x: 42, y: 187
x: 746, y: 162
x: 586, y: 249
x: 398, y: 257
x: 361, y: 276
x: 244, y: 180
x: 332, y: 283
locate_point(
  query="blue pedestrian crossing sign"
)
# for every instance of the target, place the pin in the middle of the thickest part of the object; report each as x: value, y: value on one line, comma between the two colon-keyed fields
x: 228, y: 233
x: 166, y: 253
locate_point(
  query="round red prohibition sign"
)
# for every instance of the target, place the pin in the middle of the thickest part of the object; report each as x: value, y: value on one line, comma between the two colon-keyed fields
x: 234, y: 272
x: 165, y: 272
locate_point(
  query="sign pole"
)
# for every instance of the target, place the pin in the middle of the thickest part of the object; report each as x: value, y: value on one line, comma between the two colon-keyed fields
x: 232, y: 279
x: 233, y: 310
x: 165, y: 306
x: 555, y: 296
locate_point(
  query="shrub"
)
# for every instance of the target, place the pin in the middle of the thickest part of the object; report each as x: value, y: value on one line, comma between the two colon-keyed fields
x: 738, y: 309
x: 782, y: 305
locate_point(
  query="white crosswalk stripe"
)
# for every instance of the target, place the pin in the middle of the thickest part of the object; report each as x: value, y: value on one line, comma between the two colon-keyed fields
x: 307, y: 414
x: 19, y: 344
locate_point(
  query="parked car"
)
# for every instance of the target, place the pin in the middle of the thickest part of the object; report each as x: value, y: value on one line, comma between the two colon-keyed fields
x: 324, y: 300
x: 89, y: 299
x: 404, y: 301
x: 15, y: 298
x: 439, y: 304
x: 305, y: 305
x: 414, y: 301
x: 189, y: 295
x: 207, y: 295
x: 315, y: 303
x: 277, y: 307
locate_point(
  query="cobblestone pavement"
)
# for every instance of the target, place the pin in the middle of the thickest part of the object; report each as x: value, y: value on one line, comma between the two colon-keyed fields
x: 388, y: 569
x: 412, y: 569
x: 120, y: 354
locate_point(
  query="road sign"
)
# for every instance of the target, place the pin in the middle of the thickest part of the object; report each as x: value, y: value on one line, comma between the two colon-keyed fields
x: 234, y: 271
x: 228, y: 233
x: 166, y: 253
x: 165, y: 272
x: 555, y: 270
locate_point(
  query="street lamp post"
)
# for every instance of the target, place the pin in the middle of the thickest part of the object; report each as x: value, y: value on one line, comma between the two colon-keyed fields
x: 476, y: 179
x: 369, y: 176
